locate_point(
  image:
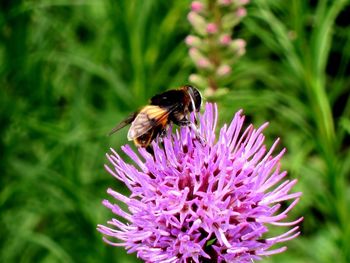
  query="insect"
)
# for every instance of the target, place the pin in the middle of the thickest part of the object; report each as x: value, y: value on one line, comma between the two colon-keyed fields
x: 172, y: 106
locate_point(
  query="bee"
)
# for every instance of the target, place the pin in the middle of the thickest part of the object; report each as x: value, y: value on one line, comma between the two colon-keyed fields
x: 151, y: 121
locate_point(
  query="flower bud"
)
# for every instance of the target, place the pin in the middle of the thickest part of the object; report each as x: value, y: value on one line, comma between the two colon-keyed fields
x: 224, y: 2
x: 195, y: 54
x: 223, y: 70
x: 225, y: 39
x: 204, y: 63
x: 193, y: 41
x: 199, y: 59
x: 212, y: 28
x: 197, y: 6
x: 198, y: 23
x: 198, y: 80
x: 230, y: 20
x: 241, y: 12
x: 238, y: 46
x: 243, y: 2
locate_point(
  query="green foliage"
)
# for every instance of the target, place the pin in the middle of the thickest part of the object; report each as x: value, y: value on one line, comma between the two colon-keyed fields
x: 70, y: 70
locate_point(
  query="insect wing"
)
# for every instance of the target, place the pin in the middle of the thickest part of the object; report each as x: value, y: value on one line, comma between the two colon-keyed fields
x: 149, y: 117
x: 123, y: 123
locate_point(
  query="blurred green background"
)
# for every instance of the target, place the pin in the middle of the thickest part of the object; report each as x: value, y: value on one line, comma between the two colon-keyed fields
x: 70, y: 70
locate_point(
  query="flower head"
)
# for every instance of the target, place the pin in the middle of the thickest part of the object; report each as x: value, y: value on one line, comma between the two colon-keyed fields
x: 202, y: 199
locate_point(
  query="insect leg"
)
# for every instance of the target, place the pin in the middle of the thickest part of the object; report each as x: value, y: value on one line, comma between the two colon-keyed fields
x: 197, y: 133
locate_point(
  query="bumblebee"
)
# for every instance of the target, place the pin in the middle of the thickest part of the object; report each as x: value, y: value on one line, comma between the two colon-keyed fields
x: 172, y: 106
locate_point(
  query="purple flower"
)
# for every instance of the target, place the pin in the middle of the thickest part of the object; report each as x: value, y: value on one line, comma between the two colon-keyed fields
x: 202, y: 199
